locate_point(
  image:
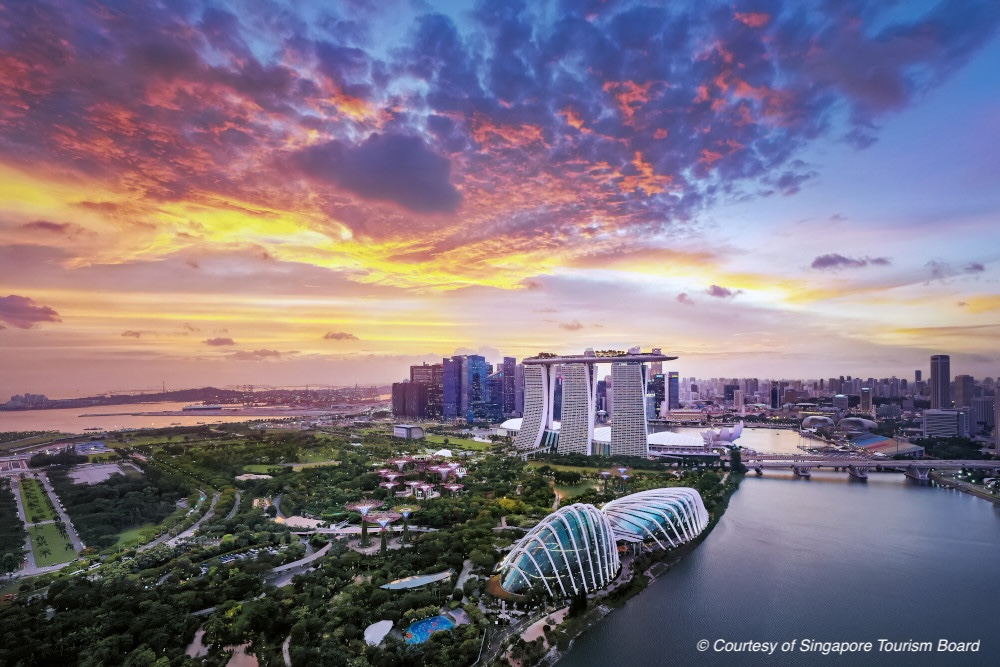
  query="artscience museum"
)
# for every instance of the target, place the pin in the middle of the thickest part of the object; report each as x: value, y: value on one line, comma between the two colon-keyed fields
x: 575, y: 549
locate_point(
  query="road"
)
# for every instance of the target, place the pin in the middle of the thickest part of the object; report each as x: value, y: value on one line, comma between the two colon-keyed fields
x: 277, y: 507
x: 78, y: 544
x: 236, y: 507
x: 283, y: 574
x: 172, y: 542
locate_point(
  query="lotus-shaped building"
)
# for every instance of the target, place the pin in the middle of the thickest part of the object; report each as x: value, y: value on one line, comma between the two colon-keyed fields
x: 575, y: 549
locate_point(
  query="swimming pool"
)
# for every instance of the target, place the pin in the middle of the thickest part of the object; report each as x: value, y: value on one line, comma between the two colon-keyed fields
x: 419, y: 631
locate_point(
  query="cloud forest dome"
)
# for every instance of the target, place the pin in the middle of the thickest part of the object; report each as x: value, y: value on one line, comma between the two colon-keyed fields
x: 575, y: 548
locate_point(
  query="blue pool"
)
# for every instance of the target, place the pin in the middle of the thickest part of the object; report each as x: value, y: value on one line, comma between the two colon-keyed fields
x: 419, y: 631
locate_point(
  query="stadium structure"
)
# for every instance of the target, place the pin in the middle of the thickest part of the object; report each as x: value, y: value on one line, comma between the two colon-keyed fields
x: 575, y: 549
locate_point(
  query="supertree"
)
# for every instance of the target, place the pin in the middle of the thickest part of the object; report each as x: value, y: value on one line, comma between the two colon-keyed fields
x: 383, y: 519
x: 388, y: 485
x: 401, y: 462
x: 406, y: 511
x: 364, y: 507
x: 605, y: 474
x: 454, y: 488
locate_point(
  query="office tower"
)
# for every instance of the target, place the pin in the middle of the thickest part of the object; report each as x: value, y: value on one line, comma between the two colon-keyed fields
x: 518, y: 390
x: 738, y: 400
x: 451, y: 387
x: 728, y: 391
x: 674, y: 390
x: 965, y: 387
x: 628, y: 422
x: 492, y: 405
x: 996, y: 425
x: 940, y: 381
x: 509, y: 377
x: 431, y: 375
x: 983, y: 409
x: 775, y: 402
x: 918, y: 376
x: 946, y: 423
x: 658, y: 388
x: 866, y: 400
x: 399, y: 399
x: 841, y: 402
x: 477, y: 390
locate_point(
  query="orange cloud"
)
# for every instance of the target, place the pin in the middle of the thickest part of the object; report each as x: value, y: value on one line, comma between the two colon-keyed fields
x: 753, y: 19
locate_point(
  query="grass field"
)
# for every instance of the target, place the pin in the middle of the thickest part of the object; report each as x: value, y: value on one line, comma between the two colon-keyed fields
x: 570, y: 491
x: 31, y: 440
x: 460, y: 443
x: 36, y: 502
x: 583, y: 470
x: 49, y: 546
x: 260, y: 468
x: 140, y: 534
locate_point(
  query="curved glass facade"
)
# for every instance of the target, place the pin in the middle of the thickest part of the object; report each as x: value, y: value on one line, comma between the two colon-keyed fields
x: 569, y: 551
x: 575, y: 548
x: 668, y: 517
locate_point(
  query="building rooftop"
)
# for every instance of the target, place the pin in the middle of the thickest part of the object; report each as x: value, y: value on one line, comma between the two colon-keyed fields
x: 597, y: 358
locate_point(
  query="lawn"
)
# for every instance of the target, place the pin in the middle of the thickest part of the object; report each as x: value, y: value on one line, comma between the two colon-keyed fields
x: 461, y: 443
x: 49, y: 546
x: 261, y: 468
x: 32, y: 440
x: 140, y: 534
x: 36, y: 502
x: 571, y: 491
x: 583, y: 470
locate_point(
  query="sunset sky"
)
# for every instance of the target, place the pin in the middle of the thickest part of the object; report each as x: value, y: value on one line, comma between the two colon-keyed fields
x: 283, y: 193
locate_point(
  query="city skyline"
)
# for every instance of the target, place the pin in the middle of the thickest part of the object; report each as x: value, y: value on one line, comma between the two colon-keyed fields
x: 222, y: 195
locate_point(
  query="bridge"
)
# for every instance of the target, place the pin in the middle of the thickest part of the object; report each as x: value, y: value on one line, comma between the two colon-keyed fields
x: 856, y: 466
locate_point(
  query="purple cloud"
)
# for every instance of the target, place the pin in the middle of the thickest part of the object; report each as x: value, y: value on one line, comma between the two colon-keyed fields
x: 23, y: 313
x: 385, y: 167
x: 218, y: 342
x: 720, y: 292
x: 254, y: 355
x: 836, y: 261
x: 133, y: 333
x: 685, y: 299
x: 973, y: 267
x: 571, y: 326
x: 339, y: 335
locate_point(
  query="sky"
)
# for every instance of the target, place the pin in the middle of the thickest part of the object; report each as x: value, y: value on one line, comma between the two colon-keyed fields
x: 291, y: 193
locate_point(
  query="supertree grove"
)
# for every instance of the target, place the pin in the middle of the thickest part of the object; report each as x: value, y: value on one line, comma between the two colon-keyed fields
x: 383, y: 519
x: 364, y: 507
x: 406, y: 511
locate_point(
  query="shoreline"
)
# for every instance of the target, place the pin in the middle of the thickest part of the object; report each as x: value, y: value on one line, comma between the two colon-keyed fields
x: 951, y: 484
x: 663, y: 563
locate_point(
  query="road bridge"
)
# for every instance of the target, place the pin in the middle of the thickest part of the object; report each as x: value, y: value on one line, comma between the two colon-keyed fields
x: 857, y: 466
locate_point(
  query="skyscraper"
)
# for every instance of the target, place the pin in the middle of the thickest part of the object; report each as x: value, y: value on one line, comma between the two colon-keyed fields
x: 508, y: 366
x: 431, y: 375
x: 965, y: 387
x: 628, y: 422
x: 674, y: 390
x: 518, y: 390
x: 940, y: 381
x: 866, y: 400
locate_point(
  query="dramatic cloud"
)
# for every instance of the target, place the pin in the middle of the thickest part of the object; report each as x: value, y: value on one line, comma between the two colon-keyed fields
x: 973, y: 267
x: 218, y: 342
x: 23, y: 313
x: 392, y: 168
x: 720, y: 292
x: 570, y: 326
x: 685, y: 299
x: 836, y: 261
x: 255, y: 355
x: 59, y: 228
x: 339, y: 335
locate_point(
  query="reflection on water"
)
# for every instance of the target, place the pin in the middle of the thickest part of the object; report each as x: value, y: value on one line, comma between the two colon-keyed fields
x: 69, y: 420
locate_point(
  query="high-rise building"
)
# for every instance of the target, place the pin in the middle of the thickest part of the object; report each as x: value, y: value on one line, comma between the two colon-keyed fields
x: 866, y: 400
x: 519, y: 390
x: 656, y: 367
x: 918, y: 375
x: 658, y: 388
x: 965, y: 387
x: 431, y: 375
x: 996, y: 425
x: 983, y: 412
x: 674, y: 390
x: 841, y: 402
x: 628, y: 422
x: 451, y: 387
x: 509, y: 378
x: 579, y: 396
x: 940, y: 381
x: 738, y: 400
x: 946, y: 423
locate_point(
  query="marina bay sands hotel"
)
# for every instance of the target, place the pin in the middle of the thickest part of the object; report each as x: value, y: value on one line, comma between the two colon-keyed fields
x: 575, y: 432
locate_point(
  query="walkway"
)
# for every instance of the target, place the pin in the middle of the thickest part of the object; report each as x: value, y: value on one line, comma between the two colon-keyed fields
x: 77, y: 543
x: 29, y: 561
x: 283, y: 574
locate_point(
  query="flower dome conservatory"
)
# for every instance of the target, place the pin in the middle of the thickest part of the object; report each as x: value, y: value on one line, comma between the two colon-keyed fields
x: 668, y: 517
x: 575, y: 548
x: 569, y: 551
